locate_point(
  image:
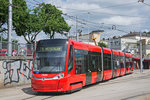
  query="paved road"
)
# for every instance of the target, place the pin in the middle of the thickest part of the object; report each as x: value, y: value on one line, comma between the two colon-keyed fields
x: 130, y: 87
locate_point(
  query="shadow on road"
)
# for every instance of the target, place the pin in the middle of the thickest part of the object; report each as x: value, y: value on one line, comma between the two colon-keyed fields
x: 28, y: 90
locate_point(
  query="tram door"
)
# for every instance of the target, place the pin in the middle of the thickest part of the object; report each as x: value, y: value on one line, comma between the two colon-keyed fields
x: 88, y: 70
x: 99, y: 68
x: 114, y: 65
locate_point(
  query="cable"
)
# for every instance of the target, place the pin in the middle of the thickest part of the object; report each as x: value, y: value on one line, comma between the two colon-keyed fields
x: 123, y: 15
x: 120, y: 5
x: 31, y: 2
x: 118, y: 14
x: 101, y: 23
x: 103, y: 26
x: 100, y: 8
x: 146, y: 4
x: 37, y: 1
x: 98, y: 24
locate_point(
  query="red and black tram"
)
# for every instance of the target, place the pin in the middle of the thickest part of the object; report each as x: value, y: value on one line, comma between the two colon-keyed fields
x: 62, y: 65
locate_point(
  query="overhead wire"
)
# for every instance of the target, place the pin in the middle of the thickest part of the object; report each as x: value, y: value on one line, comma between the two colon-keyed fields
x: 29, y: 1
x: 146, y: 4
x: 37, y: 2
x: 102, y: 23
x: 124, y: 4
x: 143, y: 17
x: 109, y: 26
x: 101, y: 7
x: 31, y: 4
x: 98, y: 24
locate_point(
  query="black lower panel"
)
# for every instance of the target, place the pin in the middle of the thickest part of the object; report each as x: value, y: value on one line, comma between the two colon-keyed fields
x: 88, y: 78
x: 115, y: 73
x: 98, y: 76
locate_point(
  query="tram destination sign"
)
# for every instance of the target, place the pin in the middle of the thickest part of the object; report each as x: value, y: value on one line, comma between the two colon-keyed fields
x: 50, y: 49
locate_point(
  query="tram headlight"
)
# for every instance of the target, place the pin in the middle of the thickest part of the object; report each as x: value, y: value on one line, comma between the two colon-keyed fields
x: 59, y: 76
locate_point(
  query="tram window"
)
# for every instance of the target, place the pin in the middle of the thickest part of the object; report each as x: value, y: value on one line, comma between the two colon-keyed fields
x: 116, y: 61
x: 86, y: 62
x: 131, y: 63
x: 90, y: 66
x: 99, y: 62
x: 70, y: 62
x: 93, y: 63
x: 122, y: 61
x: 107, y: 61
x: 80, y: 61
x: 127, y: 62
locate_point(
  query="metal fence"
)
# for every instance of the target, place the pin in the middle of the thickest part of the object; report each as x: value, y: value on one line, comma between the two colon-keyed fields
x: 18, y: 49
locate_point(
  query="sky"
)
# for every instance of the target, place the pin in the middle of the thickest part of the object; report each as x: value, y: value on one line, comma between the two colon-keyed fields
x: 124, y: 15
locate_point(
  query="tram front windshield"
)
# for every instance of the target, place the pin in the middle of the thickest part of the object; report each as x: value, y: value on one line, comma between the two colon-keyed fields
x: 50, y: 59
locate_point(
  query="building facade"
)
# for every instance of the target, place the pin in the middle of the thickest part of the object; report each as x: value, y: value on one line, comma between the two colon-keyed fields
x: 88, y: 38
x: 131, y: 43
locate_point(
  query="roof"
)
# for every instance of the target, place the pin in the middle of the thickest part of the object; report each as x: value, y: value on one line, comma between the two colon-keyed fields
x: 97, y: 31
x: 136, y: 34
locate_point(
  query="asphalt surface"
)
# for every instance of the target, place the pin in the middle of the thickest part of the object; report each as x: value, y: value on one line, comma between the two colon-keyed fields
x: 134, y: 86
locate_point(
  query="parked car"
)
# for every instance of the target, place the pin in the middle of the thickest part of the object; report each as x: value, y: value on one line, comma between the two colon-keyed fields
x: 3, y: 52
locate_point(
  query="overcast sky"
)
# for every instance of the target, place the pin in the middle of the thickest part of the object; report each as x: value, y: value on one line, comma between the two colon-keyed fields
x: 125, y: 15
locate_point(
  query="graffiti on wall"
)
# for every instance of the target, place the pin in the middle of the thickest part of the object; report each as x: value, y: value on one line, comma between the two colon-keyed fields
x: 15, y: 69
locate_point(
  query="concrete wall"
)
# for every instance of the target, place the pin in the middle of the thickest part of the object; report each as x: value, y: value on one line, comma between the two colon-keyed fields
x: 15, y: 71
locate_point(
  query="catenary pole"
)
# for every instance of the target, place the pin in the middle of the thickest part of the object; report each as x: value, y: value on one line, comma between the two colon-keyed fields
x: 141, y: 58
x: 76, y: 29
x: 9, y: 49
x: 88, y: 29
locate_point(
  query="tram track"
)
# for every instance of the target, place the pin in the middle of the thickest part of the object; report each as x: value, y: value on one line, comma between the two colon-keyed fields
x: 127, y: 78
x: 47, y: 97
x: 113, y: 81
x: 33, y: 97
x: 29, y: 97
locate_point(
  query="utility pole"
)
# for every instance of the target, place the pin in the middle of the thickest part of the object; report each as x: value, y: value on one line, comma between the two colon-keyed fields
x: 76, y: 29
x: 88, y: 29
x: 9, y: 49
x: 141, y: 58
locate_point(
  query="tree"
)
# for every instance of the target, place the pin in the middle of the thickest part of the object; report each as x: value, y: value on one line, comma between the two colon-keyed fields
x: 3, y: 14
x: 44, y: 17
x: 31, y: 27
x: 148, y: 32
x: 24, y: 22
x: 19, y: 15
x: 30, y: 22
x: 53, y: 20
x: 101, y: 44
x: 21, y: 18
